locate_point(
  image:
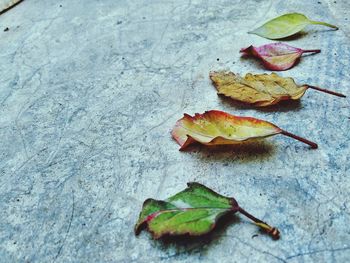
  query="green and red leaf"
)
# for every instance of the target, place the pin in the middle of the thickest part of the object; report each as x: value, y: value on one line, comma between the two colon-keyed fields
x: 194, y: 211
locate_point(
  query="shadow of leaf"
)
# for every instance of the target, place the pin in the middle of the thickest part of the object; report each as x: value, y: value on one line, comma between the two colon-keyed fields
x: 296, y: 36
x: 283, y: 106
x: 187, y: 244
x: 255, y: 62
x: 258, y: 150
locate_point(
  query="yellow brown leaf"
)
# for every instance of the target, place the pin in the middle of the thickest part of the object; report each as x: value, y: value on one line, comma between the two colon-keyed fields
x: 260, y: 89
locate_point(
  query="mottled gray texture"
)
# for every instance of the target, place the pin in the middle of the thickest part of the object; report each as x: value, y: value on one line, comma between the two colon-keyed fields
x: 89, y: 93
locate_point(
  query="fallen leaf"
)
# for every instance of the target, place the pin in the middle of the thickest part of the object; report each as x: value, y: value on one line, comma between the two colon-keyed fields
x: 194, y: 211
x: 219, y: 128
x: 285, y: 26
x: 277, y: 56
x: 260, y: 89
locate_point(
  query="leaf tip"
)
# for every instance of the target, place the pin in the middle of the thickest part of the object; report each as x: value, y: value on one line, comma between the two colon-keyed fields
x: 246, y: 50
x: 137, y: 228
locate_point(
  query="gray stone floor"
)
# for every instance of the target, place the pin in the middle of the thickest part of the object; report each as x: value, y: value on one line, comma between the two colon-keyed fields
x: 89, y: 92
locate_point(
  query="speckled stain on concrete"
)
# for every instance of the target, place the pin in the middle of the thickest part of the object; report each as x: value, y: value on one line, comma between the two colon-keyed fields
x: 89, y: 93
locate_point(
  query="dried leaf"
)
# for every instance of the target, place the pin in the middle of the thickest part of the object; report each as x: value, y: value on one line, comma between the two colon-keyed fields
x: 261, y: 89
x: 194, y: 211
x: 285, y: 26
x: 277, y: 56
x: 220, y: 128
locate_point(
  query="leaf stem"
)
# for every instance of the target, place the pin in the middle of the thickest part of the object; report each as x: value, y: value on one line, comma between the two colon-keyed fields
x: 312, y: 144
x: 312, y: 50
x: 327, y: 91
x: 273, y: 231
x: 324, y: 24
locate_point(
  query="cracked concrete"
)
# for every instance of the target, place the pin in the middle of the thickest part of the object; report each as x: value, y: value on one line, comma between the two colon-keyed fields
x: 89, y: 93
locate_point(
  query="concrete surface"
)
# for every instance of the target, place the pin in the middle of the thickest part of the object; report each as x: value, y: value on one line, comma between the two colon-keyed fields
x: 89, y: 93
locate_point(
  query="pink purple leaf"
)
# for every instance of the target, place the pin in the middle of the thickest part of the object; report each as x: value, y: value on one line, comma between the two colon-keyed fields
x: 277, y: 56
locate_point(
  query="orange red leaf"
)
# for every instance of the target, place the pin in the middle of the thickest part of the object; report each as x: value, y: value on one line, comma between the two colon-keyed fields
x: 219, y: 128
